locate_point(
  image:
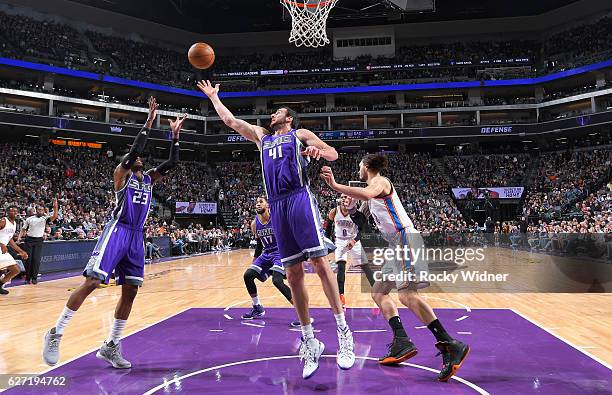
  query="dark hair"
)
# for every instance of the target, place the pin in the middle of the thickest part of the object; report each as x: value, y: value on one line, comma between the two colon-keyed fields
x: 12, y: 206
x: 262, y: 197
x: 292, y: 113
x: 376, y: 162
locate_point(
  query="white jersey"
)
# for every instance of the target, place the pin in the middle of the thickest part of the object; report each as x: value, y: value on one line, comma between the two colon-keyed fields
x: 345, y: 228
x: 6, y: 234
x: 389, y: 214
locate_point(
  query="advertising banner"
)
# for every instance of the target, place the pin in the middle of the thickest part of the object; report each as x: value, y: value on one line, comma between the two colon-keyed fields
x: 208, y: 208
x: 492, y: 192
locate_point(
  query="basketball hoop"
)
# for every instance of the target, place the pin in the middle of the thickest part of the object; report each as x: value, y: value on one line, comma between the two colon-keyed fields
x: 309, y: 21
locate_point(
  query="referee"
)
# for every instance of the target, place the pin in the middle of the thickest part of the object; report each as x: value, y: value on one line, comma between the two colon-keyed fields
x: 34, y: 229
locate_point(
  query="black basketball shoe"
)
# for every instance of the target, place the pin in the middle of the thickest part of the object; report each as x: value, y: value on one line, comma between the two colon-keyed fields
x: 400, y: 350
x: 453, y: 354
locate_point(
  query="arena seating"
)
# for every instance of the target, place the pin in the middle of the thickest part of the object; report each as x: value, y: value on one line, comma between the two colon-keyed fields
x: 50, y: 42
x: 568, y: 191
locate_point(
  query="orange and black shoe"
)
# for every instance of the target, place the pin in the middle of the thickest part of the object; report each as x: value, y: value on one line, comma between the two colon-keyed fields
x: 400, y: 350
x: 343, y: 300
x: 453, y: 354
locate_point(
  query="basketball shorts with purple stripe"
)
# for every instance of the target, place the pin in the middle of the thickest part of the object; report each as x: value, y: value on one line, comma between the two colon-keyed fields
x: 120, y: 249
x: 298, y: 228
x: 267, y: 263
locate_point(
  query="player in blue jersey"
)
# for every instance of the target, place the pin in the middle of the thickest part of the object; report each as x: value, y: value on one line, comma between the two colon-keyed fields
x: 285, y: 153
x: 267, y: 261
x: 121, y: 245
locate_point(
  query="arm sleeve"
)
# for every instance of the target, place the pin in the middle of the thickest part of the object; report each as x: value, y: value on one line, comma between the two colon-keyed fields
x: 259, y: 248
x: 329, y: 228
x: 365, y: 209
x: 361, y: 221
x: 172, y: 160
x: 136, y: 150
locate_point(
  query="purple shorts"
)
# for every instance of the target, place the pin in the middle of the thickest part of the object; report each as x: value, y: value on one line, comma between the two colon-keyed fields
x: 267, y: 263
x: 120, y: 249
x: 298, y: 228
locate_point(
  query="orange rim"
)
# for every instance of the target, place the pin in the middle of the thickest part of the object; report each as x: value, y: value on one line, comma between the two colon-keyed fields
x: 302, y: 5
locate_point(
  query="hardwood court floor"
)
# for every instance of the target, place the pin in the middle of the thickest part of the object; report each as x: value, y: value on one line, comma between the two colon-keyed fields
x: 216, y: 281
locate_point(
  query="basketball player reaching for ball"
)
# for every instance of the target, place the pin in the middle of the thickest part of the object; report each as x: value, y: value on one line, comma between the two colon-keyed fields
x: 383, y: 204
x: 8, y: 226
x: 296, y: 220
x: 267, y: 261
x: 347, y: 229
x: 121, y: 244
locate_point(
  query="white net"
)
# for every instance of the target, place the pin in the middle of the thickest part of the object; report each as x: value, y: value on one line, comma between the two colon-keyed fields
x: 309, y: 21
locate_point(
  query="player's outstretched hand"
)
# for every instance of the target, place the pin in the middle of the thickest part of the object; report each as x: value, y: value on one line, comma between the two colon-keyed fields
x: 176, y: 125
x: 208, y: 89
x: 24, y: 255
x: 313, y: 152
x: 152, y: 112
x: 328, y: 176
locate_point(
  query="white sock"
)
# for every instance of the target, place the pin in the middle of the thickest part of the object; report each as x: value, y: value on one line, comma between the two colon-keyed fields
x: 255, y: 300
x: 340, y: 321
x: 307, y: 332
x: 63, y: 320
x: 116, y: 330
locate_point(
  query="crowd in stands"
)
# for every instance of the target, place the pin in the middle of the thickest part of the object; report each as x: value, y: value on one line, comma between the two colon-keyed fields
x: 570, y: 191
x: 240, y: 185
x: 563, y: 193
x: 26, y: 38
x: 143, y: 61
x: 564, y: 178
x: 189, y: 182
x: 478, y: 171
x: 567, y: 49
x: 32, y: 174
x: 49, y: 41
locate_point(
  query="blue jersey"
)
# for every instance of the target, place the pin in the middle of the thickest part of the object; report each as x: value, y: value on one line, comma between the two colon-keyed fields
x: 133, y: 202
x: 265, y: 233
x: 282, y: 164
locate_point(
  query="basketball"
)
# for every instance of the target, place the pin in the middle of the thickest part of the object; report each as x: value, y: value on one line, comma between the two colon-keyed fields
x: 201, y: 56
